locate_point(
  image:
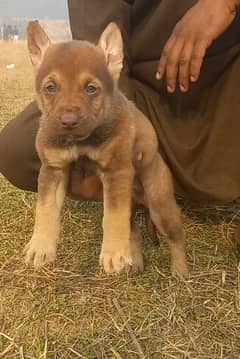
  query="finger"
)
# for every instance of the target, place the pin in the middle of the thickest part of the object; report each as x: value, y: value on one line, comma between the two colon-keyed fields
x: 163, y: 59
x: 184, y: 66
x: 172, y: 64
x: 198, y: 54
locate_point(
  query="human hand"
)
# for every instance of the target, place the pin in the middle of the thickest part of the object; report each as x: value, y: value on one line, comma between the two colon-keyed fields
x: 183, y: 54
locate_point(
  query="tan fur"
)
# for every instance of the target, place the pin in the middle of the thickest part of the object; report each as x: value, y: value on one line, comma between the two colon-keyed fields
x: 113, y: 134
x: 42, y: 247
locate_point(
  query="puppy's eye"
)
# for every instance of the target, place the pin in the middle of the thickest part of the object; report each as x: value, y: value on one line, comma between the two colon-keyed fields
x: 91, y: 89
x: 51, y: 89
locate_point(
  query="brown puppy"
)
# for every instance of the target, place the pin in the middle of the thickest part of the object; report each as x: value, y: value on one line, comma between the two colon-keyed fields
x: 85, y: 115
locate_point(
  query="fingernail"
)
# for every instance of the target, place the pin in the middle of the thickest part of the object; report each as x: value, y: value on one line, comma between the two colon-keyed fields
x: 170, y: 88
x: 182, y: 88
x: 193, y: 78
x: 158, y: 76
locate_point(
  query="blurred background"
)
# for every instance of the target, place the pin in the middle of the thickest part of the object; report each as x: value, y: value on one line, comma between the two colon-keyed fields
x: 15, y: 14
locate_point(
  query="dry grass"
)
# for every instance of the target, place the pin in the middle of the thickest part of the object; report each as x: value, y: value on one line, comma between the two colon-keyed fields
x: 71, y: 310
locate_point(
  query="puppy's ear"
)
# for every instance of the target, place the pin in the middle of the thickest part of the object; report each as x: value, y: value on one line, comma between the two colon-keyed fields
x: 112, y: 45
x: 38, y: 42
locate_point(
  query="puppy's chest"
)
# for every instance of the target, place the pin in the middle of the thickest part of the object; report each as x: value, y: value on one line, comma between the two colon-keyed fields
x: 102, y: 150
x: 62, y: 157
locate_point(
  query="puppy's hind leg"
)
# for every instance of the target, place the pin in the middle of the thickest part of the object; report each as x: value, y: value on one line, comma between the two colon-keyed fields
x: 157, y: 183
x: 136, y: 249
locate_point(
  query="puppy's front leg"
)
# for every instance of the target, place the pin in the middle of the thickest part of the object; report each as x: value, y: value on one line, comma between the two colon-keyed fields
x: 51, y: 193
x: 116, y: 250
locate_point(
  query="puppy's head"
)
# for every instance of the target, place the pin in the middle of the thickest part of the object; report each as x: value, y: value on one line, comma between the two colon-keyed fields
x: 76, y: 80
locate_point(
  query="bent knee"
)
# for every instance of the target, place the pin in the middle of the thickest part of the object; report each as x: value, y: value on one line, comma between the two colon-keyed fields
x: 19, y: 162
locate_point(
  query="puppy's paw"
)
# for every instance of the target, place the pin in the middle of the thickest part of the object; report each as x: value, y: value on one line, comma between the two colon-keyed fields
x: 116, y: 256
x: 39, y: 252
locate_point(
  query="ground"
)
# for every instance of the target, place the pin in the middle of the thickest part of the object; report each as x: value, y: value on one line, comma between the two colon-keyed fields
x: 72, y: 310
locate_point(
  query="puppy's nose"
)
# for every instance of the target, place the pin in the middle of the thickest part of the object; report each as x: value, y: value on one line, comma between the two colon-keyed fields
x: 69, y: 120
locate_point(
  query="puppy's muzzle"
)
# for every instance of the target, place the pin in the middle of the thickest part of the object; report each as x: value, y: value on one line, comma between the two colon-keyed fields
x: 69, y: 121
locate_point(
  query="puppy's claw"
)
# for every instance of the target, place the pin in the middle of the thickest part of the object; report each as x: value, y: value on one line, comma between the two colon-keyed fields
x: 180, y: 270
x: 39, y: 252
x: 138, y: 265
x: 115, y: 260
x: 115, y: 257
x: 113, y: 264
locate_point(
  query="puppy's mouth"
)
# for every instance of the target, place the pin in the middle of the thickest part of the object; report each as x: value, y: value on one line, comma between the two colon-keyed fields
x: 91, y: 136
x: 74, y: 127
x: 69, y: 129
x: 75, y: 135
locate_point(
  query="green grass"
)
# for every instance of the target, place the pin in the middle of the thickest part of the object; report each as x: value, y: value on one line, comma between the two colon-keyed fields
x: 72, y: 310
